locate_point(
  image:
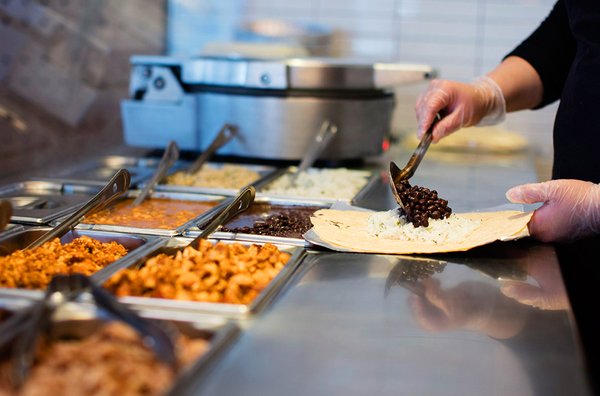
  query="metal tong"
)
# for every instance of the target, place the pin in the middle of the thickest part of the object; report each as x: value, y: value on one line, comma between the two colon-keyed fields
x: 117, y: 185
x: 319, y: 143
x: 5, y: 213
x: 21, y: 332
x: 227, y: 132
x: 397, y: 175
x: 169, y: 157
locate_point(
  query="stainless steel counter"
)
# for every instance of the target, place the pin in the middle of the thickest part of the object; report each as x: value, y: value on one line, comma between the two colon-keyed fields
x: 492, y: 321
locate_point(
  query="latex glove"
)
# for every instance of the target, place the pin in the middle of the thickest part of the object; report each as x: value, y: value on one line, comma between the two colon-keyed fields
x: 571, y: 208
x: 462, y: 105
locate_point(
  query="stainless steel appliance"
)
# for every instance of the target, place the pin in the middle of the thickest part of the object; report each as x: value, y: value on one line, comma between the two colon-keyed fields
x: 277, y: 104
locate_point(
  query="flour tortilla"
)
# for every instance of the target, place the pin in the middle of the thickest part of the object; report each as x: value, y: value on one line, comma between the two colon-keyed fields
x: 346, y: 230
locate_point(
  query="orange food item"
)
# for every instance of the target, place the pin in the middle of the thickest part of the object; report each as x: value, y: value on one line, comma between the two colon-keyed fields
x: 230, y: 273
x: 34, y: 268
x: 151, y: 213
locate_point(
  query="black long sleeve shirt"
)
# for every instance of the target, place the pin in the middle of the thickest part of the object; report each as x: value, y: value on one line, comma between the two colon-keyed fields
x: 565, y: 52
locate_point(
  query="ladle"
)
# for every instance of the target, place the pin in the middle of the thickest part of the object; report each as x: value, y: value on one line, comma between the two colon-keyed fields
x: 397, y: 175
x: 227, y: 132
x: 169, y: 157
x: 117, y: 185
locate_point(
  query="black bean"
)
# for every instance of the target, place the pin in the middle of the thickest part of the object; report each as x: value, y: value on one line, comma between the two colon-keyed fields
x: 421, y: 204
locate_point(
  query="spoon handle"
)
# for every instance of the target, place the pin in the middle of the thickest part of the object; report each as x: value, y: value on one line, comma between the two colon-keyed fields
x: 227, y: 132
x: 237, y: 206
x: 409, y: 170
x: 169, y: 157
x: 320, y: 142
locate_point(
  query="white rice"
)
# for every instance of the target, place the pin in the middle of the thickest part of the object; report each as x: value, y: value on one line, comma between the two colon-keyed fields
x: 339, y: 183
x: 391, y: 225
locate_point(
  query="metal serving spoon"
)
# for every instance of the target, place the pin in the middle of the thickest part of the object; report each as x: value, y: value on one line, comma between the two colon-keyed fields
x: 169, y: 157
x: 319, y: 143
x: 116, y: 186
x: 227, y: 132
x: 5, y: 213
x: 397, y: 175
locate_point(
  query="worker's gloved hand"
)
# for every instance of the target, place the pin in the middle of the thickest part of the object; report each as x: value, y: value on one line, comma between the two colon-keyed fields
x: 461, y: 105
x: 571, y: 208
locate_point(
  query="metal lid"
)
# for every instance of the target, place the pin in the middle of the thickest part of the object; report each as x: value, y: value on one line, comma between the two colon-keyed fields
x: 309, y: 73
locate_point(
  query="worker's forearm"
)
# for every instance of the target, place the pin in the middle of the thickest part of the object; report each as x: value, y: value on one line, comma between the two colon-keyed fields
x: 520, y: 83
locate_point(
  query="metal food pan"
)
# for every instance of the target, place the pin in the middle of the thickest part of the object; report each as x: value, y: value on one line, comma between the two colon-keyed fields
x: 10, y: 229
x: 194, y: 307
x: 195, y: 231
x: 261, y: 189
x: 14, y: 298
x: 79, y: 320
x: 41, y: 201
x: 99, y: 171
x: 159, y: 231
x: 265, y: 172
x: 372, y: 182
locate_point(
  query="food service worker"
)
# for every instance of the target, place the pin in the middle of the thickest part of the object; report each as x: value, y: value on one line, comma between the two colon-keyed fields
x: 559, y: 60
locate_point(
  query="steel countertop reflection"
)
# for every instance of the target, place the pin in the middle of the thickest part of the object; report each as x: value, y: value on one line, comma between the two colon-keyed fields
x: 337, y: 332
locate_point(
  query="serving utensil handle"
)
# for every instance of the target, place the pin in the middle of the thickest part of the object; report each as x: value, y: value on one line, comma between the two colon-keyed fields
x: 319, y: 143
x: 227, y: 132
x: 409, y: 170
x: 237, y: 206
x: 169, y: 157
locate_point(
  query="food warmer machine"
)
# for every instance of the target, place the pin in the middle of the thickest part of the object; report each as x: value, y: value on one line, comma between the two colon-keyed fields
x: 278, y: 104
